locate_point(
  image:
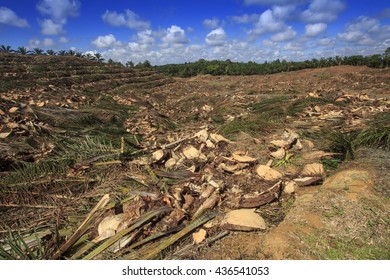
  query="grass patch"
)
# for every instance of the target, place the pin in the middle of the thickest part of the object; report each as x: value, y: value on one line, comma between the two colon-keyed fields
x: 341, y: 142
x: 377, y: 135
x: 330, y: 164
x: 299, y: 105
x: 253, y: 125
x: 342, y: 249
x: 274, y: 108
x: 278, y: 108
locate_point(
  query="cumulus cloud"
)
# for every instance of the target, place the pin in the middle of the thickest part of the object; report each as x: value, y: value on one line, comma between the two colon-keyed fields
x: 45, y: 43
x: 146, y: 37
x: 323, y: 11
x: 293, y: 47
x: 327, y: 42
x: 267, y: 23
x: 365, y: 31
x: 144, y: 41
x: 285, y: 35
x: 211, y: 23
x: 283, y: 12
x: 175, y: 35
x: 107, y: 41
x: 245, y: 18
x: 49, y: 27
x: 63, y: 40
x: 313, y: 30
x: 216, y: 37
x: 127, y: 19
x: 9, y: 17
x: 58, y: 11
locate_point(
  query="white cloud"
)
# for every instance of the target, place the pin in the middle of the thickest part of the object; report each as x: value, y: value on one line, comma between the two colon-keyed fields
x: 269, y: 44
x: 7, y: 16
x: 129, y: 19
x: 59, y: 9
x: 175, y: 35
x: 63, y: 40
x: 245, y: 18
x: 313, y: 30
x: 285, y: 35
x: 323, y: 11
x: 107, y: 41
x: 48, y: 42
x: 365, y: 31
x: 267, y: 23
x: 217, y: 37
x: 211, y: 23
x: 145, y: 37
x: 45, y: 43
x: 49, y: 27
x: 34, y: 43
x: 327, y: 42
x: 293, y: 47
x: 283, y: 12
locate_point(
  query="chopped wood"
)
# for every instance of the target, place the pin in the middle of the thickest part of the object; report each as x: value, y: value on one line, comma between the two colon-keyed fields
x: 262, y: 198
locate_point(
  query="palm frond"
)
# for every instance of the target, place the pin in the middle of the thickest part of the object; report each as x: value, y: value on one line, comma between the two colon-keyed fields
x: 16, y: 247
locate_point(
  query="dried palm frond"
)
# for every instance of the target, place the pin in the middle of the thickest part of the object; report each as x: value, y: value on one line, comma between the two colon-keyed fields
x: 152, y: 251
x: 16, y: 247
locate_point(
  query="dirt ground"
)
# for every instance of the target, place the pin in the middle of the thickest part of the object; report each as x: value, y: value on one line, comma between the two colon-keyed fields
x: 345, y: 215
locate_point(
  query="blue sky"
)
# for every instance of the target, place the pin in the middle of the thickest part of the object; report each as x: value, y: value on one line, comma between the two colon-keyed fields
x: 173, y: 31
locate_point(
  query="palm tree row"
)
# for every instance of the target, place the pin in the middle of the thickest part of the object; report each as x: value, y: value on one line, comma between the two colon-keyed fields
x: 38, y: 51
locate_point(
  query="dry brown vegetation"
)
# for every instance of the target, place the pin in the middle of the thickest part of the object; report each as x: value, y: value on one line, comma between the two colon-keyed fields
x: 101, y: 162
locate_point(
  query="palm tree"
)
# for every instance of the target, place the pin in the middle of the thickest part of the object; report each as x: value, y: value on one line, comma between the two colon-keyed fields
x: 99, y: 57
x: 71, y: 53
x: 62, y: 52
x: 22, y: 50
x: 89, y: 56
x: 37, y: 51
x: 6, y: 49
x: 130, y: 64
x: 51, y: 52
x: 79, y: 54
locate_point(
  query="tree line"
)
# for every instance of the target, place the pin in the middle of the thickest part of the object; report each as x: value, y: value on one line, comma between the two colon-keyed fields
x: 38, y: 51
x: 96, y: 56
x: 227, y: 67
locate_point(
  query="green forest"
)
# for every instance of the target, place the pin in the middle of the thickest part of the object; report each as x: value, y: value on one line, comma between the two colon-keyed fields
x: 227, y: 67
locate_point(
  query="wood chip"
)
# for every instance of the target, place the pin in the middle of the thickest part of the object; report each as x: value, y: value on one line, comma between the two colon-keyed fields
x: 216, y: 138
x: 279, y: 154
x: 268, y: 173
x: 4, y: 135
x: 157, y: 156
x: 243, y: 158
x: 313, y: 169
x: 13, y: 109
x: 307, y: 181
x: 244, y: 220
x: 190, y: 152
x: 199, y: 236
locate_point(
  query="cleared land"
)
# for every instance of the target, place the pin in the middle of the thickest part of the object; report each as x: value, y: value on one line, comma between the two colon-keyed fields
x: 176, y: 155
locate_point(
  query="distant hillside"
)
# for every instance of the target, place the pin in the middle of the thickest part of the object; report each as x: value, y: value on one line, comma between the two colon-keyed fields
x: 23, y: 71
